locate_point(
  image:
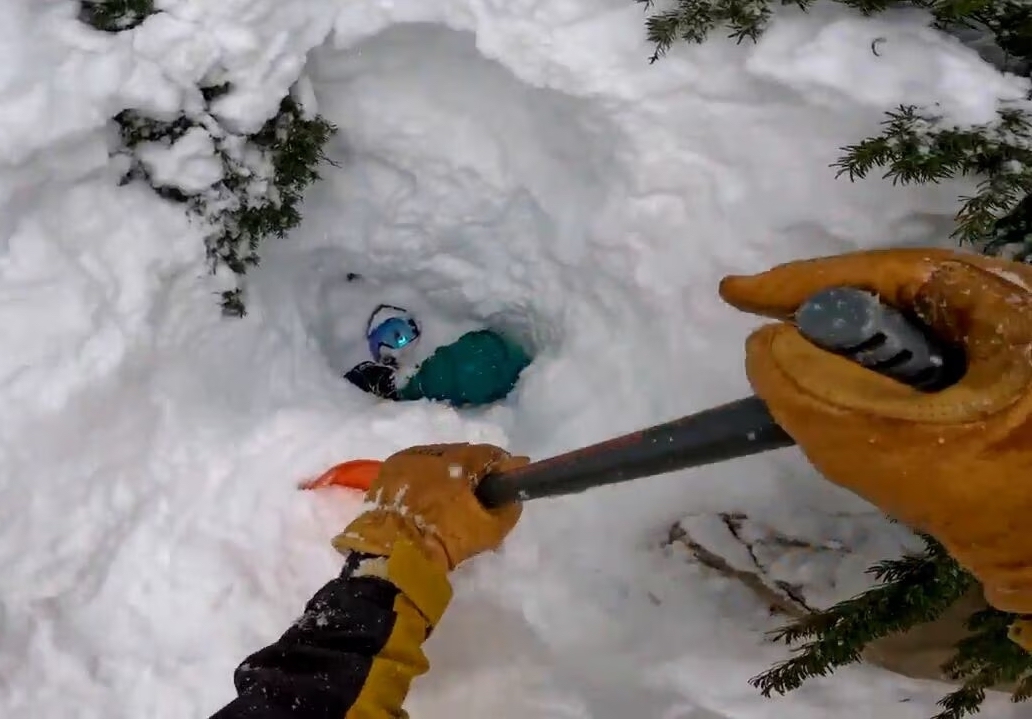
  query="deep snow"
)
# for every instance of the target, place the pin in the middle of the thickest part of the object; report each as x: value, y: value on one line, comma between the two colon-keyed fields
x: 515, y: 162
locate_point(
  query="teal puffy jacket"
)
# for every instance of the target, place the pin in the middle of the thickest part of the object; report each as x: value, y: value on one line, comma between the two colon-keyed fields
x: 478, y: 368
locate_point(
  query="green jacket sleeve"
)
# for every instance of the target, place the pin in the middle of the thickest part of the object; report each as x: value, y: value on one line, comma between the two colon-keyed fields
x: 479, y: 368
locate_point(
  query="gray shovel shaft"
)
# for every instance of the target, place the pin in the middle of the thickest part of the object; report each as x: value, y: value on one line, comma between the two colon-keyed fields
x: 842, y: 320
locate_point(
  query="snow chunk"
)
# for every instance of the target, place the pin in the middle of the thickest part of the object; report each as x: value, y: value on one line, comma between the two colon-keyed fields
x: 189, y: 163
x: 186, y: 50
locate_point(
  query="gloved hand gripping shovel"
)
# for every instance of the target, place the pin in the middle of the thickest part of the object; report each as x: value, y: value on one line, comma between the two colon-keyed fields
x: 843, y: 320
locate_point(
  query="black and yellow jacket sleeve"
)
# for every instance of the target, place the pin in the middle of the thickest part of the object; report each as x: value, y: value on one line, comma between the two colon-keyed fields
x: 355, y: 650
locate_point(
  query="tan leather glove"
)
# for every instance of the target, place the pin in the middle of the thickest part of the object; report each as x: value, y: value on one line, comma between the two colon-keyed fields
x: 425, y: 495
x: 956, y: 464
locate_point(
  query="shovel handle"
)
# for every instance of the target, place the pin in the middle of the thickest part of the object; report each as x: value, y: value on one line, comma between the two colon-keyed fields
x: 732, y: 430
x: 843, y: 320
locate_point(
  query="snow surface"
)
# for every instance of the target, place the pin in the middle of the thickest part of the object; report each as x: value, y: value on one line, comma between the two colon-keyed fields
x: 516, y: 162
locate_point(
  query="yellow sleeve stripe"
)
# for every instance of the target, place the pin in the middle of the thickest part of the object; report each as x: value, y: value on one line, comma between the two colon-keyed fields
x: 423, y: 582
x: 424, y: 593
x: 407, y: 568
x: 399, y: 662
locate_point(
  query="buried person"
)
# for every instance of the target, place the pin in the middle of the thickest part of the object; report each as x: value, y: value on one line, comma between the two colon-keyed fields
x: 480, y: 367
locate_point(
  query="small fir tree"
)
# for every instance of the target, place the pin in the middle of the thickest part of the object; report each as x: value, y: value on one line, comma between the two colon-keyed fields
x: 263, y: 175
x: 916, y: 147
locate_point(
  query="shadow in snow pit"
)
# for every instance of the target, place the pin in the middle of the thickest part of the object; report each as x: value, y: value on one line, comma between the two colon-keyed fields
x: 460, y: 193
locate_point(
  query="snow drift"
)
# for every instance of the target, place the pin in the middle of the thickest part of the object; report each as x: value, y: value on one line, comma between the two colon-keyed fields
x: 514, y: 163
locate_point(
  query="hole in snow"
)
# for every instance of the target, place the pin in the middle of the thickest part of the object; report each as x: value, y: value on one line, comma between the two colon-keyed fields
x: 462, y: 194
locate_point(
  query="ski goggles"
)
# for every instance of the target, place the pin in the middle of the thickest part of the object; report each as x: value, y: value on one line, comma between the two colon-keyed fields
x: 392, y: 335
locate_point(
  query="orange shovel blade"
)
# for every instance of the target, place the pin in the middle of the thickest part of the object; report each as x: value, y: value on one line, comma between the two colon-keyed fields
x: 356, y: 474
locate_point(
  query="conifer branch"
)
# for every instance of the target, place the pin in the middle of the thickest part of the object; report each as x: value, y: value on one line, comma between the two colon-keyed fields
x: 912, y: 590
x: 915, y: 147
x: 264, y: 177
x: 984, y: 659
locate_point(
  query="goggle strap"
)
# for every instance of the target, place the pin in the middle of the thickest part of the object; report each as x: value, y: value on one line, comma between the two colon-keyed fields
x: 372, y: 315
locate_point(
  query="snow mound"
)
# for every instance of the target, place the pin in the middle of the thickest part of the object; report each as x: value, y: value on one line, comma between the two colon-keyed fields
x: 831, y: 59
x: 516, y: 163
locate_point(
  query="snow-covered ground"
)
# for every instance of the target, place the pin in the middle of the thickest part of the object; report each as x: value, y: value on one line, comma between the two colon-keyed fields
x: 516, y: 162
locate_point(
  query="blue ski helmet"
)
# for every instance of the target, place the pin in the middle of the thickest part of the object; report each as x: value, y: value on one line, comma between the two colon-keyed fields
x: 389, y: 331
